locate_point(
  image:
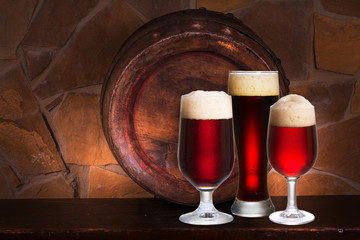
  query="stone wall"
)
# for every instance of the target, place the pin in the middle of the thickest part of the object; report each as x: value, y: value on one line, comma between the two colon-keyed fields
x: 55, y: 54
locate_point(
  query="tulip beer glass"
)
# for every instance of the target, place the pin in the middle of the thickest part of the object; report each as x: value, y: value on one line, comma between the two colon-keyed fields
x: 252, y: 95
x: 206, y: 150
x: 292, y: 150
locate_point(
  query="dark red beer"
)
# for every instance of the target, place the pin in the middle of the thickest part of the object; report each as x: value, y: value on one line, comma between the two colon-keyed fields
x: 251, y: 114
x: 206, y: 151
x: 292, y: 150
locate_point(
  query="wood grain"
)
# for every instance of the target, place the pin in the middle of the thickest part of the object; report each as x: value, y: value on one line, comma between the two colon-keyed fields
x: 336, y: 217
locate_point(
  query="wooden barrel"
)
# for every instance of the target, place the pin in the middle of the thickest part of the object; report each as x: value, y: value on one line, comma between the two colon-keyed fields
x: 167, y: 57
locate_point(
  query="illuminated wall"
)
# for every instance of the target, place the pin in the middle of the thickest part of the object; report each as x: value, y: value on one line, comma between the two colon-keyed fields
x: 54, y: 56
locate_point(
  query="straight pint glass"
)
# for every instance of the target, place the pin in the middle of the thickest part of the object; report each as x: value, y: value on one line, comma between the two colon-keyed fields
x: 252, y: 95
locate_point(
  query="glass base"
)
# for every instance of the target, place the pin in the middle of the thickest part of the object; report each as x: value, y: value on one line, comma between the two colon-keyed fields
x: 206, y: 218
x: 252, y: 209
x: 292, y: 219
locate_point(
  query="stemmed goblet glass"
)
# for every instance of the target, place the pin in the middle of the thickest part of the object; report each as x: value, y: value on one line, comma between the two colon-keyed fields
x: 206, y: 150
x: 292, y: 150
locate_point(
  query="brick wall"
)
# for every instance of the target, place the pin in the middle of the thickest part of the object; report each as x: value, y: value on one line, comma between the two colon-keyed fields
x: 55, y: 54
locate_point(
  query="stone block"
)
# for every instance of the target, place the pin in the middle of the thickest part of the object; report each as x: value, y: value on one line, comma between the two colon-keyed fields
x: 56, y: 20
x: 54, y: 102
x: 286, y: 27
x: 81, y: 177
x: 10, y: 105
x: 330, y: 99
x: 148, y: 10
x: 222, y: 6
x: 79, y: 126
x: 312, y: 183
x: 15, y: 18
x: 347, y: 8
x: 339, y: 149
x: 8, y: 181
x: 50, y: 186
x: 7, y: 64
x: 87, y: 56
x: 37, y: 61
x: 337, y: 44
x: 355, y: 102
x: 25, y: 140
x: 27, y: 151
x: 16, y: 93
x: 107, y: 184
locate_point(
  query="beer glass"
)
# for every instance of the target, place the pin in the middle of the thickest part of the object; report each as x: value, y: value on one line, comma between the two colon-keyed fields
x: 206, y: 150
x: 292, y: 150
x: 252, y: 92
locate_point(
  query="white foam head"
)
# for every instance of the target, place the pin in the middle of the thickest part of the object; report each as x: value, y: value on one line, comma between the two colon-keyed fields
x: 206, y: 105
x: 253, y: 83
x: 292, y: 111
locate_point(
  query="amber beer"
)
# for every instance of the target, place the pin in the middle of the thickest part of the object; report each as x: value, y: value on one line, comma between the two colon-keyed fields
x: 292, y: 150
x: 251, y: 115
x: 206, y: 151
x: 252, y: 95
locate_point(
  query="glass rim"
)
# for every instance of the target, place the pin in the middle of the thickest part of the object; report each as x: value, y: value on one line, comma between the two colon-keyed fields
x: 252, y: 72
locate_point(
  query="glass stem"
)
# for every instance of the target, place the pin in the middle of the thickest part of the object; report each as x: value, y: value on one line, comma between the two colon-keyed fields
x: 292, y: 210
x: 206, y: 201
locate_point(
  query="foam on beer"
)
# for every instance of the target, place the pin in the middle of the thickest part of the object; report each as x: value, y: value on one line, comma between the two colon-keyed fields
x: 206, y: 105
x: 292, y: 111
x: 247, y: 83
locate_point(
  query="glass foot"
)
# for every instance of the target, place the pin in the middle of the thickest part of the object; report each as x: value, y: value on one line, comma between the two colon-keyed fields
x: 292, y: 219
x: 206, y: 218
x: 252, y: 209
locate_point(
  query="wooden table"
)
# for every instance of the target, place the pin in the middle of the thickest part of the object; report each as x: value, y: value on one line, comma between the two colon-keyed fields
x: 337, y: 217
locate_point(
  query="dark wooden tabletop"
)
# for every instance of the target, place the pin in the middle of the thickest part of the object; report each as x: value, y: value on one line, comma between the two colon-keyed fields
x: 337, y: 217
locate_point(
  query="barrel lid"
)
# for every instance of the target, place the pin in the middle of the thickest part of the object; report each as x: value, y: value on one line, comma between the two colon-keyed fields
x: 164, y: 59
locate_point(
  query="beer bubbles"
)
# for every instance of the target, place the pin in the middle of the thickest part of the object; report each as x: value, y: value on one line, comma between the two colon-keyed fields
x: 245, y: 83
x: 292, y: 111
x: 206, y: 105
